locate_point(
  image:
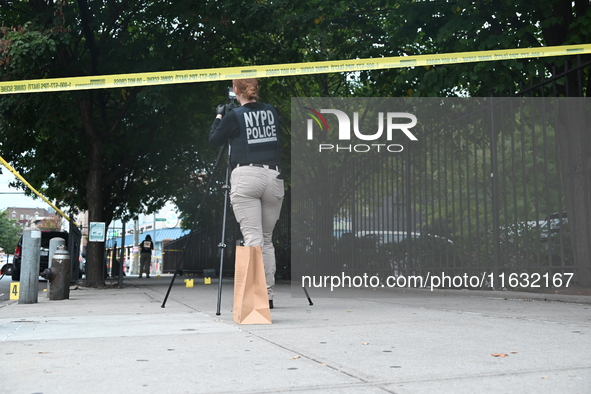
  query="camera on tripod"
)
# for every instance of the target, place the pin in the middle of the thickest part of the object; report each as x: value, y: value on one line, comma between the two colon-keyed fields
x: 232, y: 99
x: 223, y: 109
x: 231, y: 94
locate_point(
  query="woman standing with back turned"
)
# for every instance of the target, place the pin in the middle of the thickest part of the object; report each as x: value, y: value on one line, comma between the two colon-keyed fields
x: 256, y: 192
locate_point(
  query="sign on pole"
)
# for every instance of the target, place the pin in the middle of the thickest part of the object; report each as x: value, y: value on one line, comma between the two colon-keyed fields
x: 96, y: 232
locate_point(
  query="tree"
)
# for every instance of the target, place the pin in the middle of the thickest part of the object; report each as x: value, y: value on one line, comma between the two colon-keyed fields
x: 9, y: 233
x: 115, y: 152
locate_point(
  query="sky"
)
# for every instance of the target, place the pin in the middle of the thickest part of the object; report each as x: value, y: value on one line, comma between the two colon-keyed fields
x: 16, y: 200
x: 21, y: 201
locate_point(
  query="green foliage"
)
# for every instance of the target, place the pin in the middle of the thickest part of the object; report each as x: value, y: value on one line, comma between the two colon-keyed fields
x: 462, y: 26
x: 9, y: 233
x: 113, y: 152
x: 23, y: 48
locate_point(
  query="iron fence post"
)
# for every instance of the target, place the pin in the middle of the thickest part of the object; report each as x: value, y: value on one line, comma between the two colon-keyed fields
x: 495, y: 194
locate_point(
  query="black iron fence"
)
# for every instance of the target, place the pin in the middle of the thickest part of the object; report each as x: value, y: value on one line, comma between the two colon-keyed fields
x: 485, y: 193
x: 496, y: 189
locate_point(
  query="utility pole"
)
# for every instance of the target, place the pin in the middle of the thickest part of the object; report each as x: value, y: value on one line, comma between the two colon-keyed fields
x: 136, y: 242
x: 155, y: 252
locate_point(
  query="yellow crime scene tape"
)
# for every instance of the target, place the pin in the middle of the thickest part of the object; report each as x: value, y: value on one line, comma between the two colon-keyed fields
x: 23, y: 180
x: 265, y: 71
x: 275, y: 70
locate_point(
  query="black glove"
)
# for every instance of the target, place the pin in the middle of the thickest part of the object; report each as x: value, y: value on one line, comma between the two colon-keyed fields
x: 221, y: 109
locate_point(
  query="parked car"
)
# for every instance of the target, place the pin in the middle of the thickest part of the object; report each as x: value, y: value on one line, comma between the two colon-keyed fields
x: 6, y: 264
x: 554, y: 224
x: 46, y: 236
x: 556, y: 236
x: 390, y: 252
x: 383, y: 237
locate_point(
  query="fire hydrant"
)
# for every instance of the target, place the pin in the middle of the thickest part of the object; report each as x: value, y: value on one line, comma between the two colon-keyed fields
x: 58, y: 274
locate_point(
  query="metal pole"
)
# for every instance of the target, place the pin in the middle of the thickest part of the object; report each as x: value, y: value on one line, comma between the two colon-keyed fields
x: 121, y: 260
x: 495, y: 193
x: 408, y: 223
x: 222, y: 244
x: 307, y: 296
x: 30, y: 266
x: 113, y: 258
x: 106, y: 255
x: 136, y: 242
x: 74, y: 243
x: 154, y: 241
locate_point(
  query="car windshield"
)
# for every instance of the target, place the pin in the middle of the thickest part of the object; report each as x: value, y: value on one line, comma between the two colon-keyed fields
x: 387, y: 236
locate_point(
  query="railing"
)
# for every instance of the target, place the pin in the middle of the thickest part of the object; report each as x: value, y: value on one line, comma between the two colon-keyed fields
x: 499, y: 189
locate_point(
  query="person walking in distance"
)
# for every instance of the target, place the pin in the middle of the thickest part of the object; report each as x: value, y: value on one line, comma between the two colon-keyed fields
x: 256, y: 183
x: 146, y: 248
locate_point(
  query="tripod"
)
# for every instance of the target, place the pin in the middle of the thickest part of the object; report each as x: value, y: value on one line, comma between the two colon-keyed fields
x: 221, y: 245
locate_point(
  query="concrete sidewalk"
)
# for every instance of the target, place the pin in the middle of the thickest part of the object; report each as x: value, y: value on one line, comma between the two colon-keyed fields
x: 410, y: 341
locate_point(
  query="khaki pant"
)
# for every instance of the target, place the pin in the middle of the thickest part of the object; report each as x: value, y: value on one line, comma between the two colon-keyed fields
x: 145, y: 260
x: 256, y: 196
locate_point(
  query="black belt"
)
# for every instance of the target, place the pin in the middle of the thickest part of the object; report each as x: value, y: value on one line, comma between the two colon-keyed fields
x: 276, y: 168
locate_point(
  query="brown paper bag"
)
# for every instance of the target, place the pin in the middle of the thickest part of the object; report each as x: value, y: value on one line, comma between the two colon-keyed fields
x: 251, y: 302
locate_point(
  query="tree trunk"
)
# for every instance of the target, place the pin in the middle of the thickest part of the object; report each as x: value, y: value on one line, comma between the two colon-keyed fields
x: 574, y: 141
x: 95, y: 263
